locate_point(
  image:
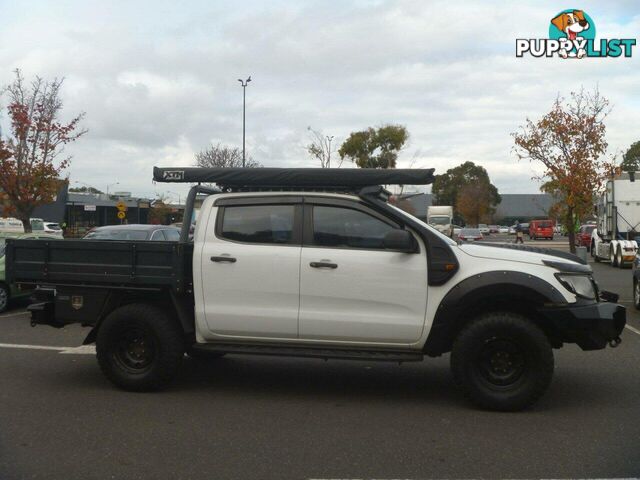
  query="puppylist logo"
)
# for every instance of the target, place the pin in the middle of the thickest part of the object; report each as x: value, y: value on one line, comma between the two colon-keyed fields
x: 572, y: 34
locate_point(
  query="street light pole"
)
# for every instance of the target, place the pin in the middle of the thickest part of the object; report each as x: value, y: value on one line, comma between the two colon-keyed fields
x: 329, y: 138
x: 110, y: 185
x: 244, y: 103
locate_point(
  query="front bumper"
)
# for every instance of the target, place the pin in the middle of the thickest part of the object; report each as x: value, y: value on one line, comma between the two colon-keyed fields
x: 591, y: 326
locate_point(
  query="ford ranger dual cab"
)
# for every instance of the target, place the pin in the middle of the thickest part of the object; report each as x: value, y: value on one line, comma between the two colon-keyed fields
x: 318, y: 263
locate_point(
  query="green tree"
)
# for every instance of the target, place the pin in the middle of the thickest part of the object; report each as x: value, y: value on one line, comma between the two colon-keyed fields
x: 375, y: 148
x: 631, y: 158
x: 454, y: 185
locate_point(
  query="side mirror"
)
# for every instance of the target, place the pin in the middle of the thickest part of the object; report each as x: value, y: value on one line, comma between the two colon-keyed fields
x: 400, y: 240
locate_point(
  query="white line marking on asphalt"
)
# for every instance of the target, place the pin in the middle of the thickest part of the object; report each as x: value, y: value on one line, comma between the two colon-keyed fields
x: 81, y: 350
x: 633, y: 329
x: 31, y: 347
x: 13, y: 314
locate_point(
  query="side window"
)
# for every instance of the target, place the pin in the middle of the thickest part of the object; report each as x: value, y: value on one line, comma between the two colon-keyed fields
x: 347, y: 228
x: 258, y: 223
x: 157, y: 236
x: 172, y: 235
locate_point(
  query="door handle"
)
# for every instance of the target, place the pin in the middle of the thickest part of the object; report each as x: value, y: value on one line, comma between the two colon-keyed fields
x: 323, y: 265
x: 223, y: 258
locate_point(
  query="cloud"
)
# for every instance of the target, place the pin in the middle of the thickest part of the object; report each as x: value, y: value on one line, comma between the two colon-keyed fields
x: 157, y: 80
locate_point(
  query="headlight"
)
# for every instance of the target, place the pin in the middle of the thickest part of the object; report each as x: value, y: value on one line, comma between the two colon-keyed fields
x: 581, y: 285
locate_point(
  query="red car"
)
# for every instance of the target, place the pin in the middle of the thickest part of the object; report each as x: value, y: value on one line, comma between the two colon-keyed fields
x: 541, y: 229
x: 583, y: 237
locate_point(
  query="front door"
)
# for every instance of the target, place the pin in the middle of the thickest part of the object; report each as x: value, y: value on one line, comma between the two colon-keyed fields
x: 251, y: 271
x: 351, y: 288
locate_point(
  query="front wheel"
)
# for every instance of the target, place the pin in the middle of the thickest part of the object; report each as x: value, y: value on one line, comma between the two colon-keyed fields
x: 139, y: 347
x: 613, y: 259
x: 502, y: 361
x: 4, y: 297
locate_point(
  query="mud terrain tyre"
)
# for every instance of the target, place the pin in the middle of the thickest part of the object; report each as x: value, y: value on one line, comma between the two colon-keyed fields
x: 502, y: 361
x: 139, y: 347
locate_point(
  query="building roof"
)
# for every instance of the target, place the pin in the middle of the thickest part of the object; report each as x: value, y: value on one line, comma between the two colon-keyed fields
x: 525, y: 205
x: 103, y: 200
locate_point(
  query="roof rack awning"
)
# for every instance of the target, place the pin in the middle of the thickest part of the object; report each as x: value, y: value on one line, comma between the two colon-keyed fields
x: 295, y: 177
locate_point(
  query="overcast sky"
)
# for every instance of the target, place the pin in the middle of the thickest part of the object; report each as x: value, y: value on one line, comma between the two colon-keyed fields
x: 158, y: 80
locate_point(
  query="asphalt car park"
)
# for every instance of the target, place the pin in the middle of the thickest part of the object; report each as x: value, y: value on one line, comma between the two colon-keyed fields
x: 261, y: 417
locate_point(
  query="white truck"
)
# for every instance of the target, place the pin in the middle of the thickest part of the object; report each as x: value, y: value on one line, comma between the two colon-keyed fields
x: 618, y: 210
x: 440, y: 217
x: 316, y: 263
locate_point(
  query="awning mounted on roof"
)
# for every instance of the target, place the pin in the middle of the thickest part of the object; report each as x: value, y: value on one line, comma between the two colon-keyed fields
x: 295, y: 177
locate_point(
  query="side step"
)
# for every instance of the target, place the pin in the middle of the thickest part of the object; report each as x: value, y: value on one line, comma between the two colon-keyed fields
x: 312, y: 352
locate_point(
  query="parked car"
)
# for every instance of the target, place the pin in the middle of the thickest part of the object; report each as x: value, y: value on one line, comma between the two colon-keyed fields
x: 300, y: 272
x: 503, y: 229
x: 11, y: 225
x: 494, y: 229
x: 457, y: 229
x: 157, y: 233
x: 9, y: 291
x: 512, y: 230
x: 583, y: 237
x: 541, y: 229
x: 484, y: 228
x: 40, y: 226
x: 470, y: 235
x: 525, y: 228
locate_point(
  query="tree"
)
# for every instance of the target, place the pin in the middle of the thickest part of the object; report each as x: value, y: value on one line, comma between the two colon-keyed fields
x: 631, y: 158
x: 473, y: 202
x: 222, y: 156
x: 569, y: 142
x: 31, y: 158
x: 375, y: 148
x: 320, y: 148
x: 160, y: 210
x: 451, y: 187
x: 85, y: 190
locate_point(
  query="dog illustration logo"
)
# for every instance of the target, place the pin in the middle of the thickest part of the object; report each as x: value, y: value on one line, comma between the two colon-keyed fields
x: 572, y: 34
x: 573, y: 24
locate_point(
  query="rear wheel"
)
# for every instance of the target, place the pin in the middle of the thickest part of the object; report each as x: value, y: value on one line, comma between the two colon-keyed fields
x: 4, y: 297
x: 619, y: 259
x: 612, y: 257
x: 502, y: 361
x: 139, y: 347
x: 636, y: 293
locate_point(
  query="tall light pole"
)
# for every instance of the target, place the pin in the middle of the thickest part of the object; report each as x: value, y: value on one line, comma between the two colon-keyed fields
x: 329, y: 138
x: 111, y: 185
x: 244, y: 103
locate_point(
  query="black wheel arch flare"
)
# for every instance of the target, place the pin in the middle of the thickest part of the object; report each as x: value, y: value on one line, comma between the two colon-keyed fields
x: 504, y: 289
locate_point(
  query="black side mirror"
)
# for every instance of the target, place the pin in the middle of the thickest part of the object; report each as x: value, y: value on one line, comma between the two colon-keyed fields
x: 400, y: 240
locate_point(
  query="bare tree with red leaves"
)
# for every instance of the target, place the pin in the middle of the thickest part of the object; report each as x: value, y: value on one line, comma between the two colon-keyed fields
x: 32, y: 158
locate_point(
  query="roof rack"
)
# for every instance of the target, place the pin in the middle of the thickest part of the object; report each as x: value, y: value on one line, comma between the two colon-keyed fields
x: 286, y: 179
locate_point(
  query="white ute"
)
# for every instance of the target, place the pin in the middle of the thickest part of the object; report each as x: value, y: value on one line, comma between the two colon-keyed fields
x: 316, y: 263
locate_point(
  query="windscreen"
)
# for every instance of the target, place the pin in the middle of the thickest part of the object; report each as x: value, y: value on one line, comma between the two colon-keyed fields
x: 440, y: 220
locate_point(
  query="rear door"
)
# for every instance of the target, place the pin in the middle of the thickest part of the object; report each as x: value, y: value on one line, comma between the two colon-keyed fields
x: 351, y: 288
x: 251, y: 268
